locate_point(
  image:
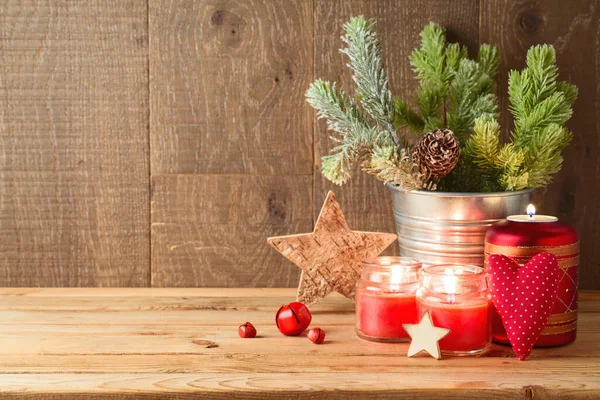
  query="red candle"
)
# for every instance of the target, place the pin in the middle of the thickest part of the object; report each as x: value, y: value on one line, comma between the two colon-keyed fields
x: 457, y: 298
x: 385, y: 298
x: 520, y: 237
x: 380, y: 316
x: 469, y: 326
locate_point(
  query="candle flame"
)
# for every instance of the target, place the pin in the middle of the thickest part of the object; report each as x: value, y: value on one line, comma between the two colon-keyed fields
x: 449, y: 281
x: 531, y: 210
x: 397, y: 275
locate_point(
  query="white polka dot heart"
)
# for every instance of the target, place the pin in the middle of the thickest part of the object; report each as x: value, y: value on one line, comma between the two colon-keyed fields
x: 523, y: 296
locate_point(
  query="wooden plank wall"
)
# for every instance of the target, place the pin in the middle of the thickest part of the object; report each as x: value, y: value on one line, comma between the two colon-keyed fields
x: 159, y: 142
x: 74, y: 199
x: 231, y: 139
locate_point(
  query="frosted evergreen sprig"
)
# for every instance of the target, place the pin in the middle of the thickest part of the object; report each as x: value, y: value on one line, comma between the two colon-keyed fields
x: 356, y: 133
x: 362, y: 49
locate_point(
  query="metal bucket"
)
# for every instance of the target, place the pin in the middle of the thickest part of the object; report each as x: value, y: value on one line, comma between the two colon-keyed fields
x: 437, y: 227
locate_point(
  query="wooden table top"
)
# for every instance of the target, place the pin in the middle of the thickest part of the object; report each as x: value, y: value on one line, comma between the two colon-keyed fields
x: 183, y: 344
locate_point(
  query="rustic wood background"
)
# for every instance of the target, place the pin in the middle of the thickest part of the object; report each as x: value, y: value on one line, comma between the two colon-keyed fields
x: 159, y: 142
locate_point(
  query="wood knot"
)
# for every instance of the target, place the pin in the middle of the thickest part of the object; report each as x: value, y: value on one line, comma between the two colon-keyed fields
x: 217, y: 17
x: 209, y: 344
x: 275, y: 208
x: 228, y: 27
x: 288, y: 71
x: 500, y: 354
x: 531, y: 21
x: 142, y: 41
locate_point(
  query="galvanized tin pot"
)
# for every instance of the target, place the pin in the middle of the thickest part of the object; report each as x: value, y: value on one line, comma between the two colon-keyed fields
x: 438, y: 227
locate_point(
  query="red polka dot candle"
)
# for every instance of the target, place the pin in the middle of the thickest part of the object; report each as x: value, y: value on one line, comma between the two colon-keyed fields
x: 457, y: 298
x: 385, y: 298
x: 521, y: 237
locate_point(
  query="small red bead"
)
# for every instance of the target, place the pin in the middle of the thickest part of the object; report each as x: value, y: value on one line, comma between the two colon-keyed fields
x: 293, y: 319
x: 247, y: 330
x: 316, y: 335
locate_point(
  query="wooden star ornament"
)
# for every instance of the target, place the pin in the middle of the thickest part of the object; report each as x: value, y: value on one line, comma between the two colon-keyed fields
x: 330, y: 257
x: 425, y: 337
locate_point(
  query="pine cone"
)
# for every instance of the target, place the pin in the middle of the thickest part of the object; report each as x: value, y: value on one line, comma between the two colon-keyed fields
x: 437, y: 153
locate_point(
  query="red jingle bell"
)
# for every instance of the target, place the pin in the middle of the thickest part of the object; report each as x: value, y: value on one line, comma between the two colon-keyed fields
x: 293, y: 319
x: 316, y: 335
x: 247, y: 330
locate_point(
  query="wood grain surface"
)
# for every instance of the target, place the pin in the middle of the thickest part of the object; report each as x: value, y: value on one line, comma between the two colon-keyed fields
x: 74, y: 161
x: 161, y: 141
x: 227, y: 82
x: 572, y: 28
x: 227, y: 89
x: 211, y: 230
x: 182, y: 343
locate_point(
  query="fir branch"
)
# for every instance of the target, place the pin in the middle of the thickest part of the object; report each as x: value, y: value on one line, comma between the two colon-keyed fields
x: 362, y: 49
x: 430, y: 100
x: 455, y: 53
x: 543, y: 72
x: 519, y: 91
x: 544, y: 156
x: 570, y: 91
x: 341, y: 111
x: 453, y: 90
x: 357, y: 134
x: 552, y: 110
x: 510, y: 162
x: 407, y: 118
x: 470, y: 95
x: 510, y: 159
x: 488, y: 60
x: 483, y: 146
x: 541, y: 106
x: 514, y: 182
x: 428, y: 61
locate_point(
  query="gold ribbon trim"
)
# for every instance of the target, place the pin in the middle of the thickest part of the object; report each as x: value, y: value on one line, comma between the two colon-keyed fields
x: 557, y: 330
x: 564, y: 263
x: 562, y: 318
x: 530, y: 251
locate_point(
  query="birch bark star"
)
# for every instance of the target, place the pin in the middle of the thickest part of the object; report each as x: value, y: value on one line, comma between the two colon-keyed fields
x: 330, y: 257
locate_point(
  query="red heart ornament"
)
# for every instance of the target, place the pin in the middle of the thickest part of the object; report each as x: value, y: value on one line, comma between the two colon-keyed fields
x: 523, y: 296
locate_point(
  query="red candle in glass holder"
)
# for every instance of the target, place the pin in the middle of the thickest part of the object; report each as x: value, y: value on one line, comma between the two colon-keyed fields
x: 457, y: 298
x: 381, y: 316
x: 385, y: 298
x: 521, y: 237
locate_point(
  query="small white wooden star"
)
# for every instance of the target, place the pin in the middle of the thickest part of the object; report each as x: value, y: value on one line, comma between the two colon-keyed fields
x: 425, y: 336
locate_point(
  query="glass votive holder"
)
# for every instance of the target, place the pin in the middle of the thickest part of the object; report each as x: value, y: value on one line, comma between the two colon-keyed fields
x: 385, y: 298
x: 458, y: 299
